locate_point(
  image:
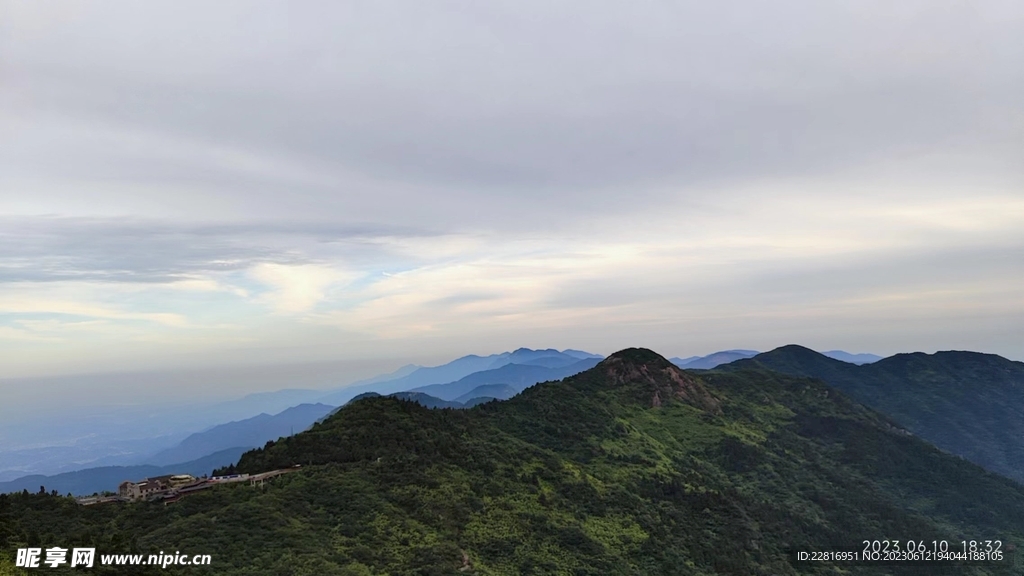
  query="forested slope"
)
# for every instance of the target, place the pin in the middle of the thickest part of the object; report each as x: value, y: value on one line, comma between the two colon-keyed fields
x: 633, y: 467
x: 967, y: 403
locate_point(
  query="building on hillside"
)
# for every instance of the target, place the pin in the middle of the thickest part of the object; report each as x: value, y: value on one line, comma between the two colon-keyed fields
x: 230, y: 478
x: 141, y: 489
x: 173, y: 487
x: 151, y: 487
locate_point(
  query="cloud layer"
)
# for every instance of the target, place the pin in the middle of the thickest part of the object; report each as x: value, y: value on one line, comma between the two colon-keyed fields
x: 193, y: 184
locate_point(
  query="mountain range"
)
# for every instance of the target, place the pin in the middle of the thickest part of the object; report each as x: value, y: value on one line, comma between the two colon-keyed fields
x: 495, y: 391
x: 517, y: 376
x: 712, y: 360
x: 862, y: 358
x: 631, y: 467
x: 726, y: 356
x: 967, y: 403
x: 456, y: 370
x: 984, y: 428
x: 515, y: 370
x: 249, y: 433
x: 131, y: 435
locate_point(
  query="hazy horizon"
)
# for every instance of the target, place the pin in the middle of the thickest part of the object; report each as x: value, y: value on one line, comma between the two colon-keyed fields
x: 32, y: 398
x: 201, y: 191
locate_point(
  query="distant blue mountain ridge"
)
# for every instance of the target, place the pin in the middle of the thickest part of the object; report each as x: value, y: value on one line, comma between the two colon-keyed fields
x: 852, y: 358
x: 494, y: 384
x: 458, y: 369
x: 726, y: 356
x: 496, y: 391
x: 712, y: 360
x: 518, y: 376
x: 250, y: 433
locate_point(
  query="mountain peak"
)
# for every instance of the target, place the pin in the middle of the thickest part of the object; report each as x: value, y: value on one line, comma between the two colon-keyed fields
x: 638, y: 356
x: 796, y: 349
x: 658, y: 380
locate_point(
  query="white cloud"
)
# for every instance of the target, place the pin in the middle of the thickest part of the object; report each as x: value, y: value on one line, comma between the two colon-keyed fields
x: 13, y: 304
x: 298, y: 288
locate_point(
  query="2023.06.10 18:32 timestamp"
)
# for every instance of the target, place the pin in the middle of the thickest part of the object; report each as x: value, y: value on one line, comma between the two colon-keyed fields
x: 903, y: 551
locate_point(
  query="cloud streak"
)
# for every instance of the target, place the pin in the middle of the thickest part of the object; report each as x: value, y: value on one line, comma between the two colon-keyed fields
x: 44, y: 249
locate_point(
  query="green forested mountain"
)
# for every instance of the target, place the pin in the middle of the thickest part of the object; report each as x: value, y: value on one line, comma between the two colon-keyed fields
x: 967, y: 403
x: 633, y: 467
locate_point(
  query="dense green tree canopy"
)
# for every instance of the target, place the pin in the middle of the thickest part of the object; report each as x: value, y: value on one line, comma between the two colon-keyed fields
x: 633, y: 467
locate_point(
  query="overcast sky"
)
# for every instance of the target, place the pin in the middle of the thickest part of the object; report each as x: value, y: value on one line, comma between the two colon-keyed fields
x: 193, y: 185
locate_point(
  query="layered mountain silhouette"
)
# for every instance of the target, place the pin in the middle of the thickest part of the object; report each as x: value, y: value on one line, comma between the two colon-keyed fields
x: 631, y: 467
x: 967, y: 403
x: 852, y: 358
x: 495, y: 391
x: 518, y: 370
x: 516, y: 376
x: 726, y: 356
x: 248, y: 433
x: 712, y: 360
x: 457, y: 369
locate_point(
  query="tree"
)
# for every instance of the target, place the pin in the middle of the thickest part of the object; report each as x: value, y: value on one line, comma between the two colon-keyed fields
x: 6, y: 521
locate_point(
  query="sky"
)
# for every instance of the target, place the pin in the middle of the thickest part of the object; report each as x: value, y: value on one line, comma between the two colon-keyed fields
x: 198, y: 188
